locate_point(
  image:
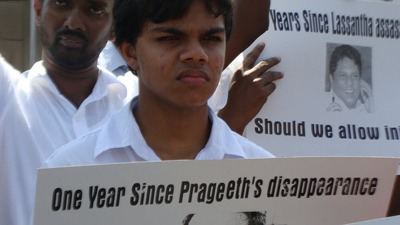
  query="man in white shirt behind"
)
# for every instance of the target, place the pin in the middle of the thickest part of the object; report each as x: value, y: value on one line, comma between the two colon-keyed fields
x: 59, y: 99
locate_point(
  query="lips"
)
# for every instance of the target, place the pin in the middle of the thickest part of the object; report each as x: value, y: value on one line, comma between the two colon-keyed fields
x: 72, y: 41
x: 193, y: 76
x: 349, y: 91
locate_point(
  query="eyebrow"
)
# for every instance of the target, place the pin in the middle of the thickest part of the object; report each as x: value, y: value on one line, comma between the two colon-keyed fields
x: 168, y: 30
x: 215, y: 30
x: 99, y: 2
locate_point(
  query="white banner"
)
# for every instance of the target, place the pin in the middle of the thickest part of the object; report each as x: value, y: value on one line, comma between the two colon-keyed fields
x: 287, y: 190
x: 330, y: 103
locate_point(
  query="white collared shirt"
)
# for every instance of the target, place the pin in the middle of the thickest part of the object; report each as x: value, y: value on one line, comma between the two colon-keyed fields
x: 359, y: 107
x: 35, y: 120
x: 120, y: 140
x: 110, y: 59
x: 337, y: 105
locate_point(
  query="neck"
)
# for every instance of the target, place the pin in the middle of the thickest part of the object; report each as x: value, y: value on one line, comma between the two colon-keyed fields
x: 75, y: 85
x: 173, y: 133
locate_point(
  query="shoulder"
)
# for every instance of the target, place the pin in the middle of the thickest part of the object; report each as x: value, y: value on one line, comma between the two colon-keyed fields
x: 234, y: 143
x: 131, y: 83
x: 251, y: 149
x: 6, y: 68
x: 7, y: 72
x: 77, y: 152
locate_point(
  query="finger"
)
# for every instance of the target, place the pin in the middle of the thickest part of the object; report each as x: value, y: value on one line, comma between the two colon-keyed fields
x: 269, y: 88
x: 252, y: 57
x: 237, y: 75
x: 270, y: 76
x: 263, y: 66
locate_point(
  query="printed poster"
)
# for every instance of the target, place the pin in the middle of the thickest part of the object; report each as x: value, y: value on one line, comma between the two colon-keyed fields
x: 283, y: 191
x: 340, y: 91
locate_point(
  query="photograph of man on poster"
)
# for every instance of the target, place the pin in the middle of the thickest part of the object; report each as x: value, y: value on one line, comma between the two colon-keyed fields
x: 349, y: 78
x: 231, y: 218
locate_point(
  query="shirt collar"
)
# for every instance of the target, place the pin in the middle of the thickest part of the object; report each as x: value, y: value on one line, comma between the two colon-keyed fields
x: 110, y: 58
x: 122, y: 131
x: 113, y: 134
x: 359, y: 106
x: 105, y: 83
x: 37, y: 70
x: 222, y: 141
x: 38, y: 75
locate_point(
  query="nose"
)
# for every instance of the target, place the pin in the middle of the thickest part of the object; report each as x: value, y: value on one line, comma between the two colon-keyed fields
x: 74, y: 20
x: 194, y: 52
x: 349, y: 82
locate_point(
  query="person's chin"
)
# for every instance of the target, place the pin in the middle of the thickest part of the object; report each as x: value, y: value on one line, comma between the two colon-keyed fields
x: 351, y: 104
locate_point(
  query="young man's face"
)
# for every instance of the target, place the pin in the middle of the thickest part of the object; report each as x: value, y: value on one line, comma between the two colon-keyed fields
x: 74, y: 31
x: 180, y: 61
x: 346, y: 82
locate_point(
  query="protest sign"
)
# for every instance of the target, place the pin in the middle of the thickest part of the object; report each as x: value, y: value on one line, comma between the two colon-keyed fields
x: 332, y: 102
x: 288, y: 190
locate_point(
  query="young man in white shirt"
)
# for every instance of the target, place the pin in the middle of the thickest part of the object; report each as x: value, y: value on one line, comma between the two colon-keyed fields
x: 178, y: 52
x: 251, y: 21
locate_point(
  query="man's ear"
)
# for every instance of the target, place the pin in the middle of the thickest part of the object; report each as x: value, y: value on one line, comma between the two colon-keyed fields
x: 331, y: 80
x: 112, y: 35
x: 128, y: 52
x: 37, y: 6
